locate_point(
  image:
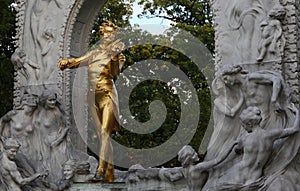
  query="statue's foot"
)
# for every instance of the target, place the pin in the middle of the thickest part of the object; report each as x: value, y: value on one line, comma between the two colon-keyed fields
x: 98, y: 177
x: 109, y: 178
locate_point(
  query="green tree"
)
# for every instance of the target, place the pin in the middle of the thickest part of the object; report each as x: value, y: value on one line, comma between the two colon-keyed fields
x: 151, y: 90
x: 194, y: 16
x: 116, y: 11
x: 7, y: 33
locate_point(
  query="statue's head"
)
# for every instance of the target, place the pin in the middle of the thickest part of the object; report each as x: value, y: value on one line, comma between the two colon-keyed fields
x: 11, y: 147
x: 107, y: 29
x: 187, y: 156
x: 28, y: 102
x: 69, y: 168
x: 49, y: 99
x: 232, y: 74
x: 250, y: 117
x: 277, y: 12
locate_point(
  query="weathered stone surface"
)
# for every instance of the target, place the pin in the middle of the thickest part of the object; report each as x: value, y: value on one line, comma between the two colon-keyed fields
x: 99, y: 186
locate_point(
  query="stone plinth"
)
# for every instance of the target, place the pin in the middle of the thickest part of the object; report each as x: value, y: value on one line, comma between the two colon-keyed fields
x: 99, y: 187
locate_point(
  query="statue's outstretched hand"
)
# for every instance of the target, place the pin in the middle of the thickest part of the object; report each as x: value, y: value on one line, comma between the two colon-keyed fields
x: 65, y: 63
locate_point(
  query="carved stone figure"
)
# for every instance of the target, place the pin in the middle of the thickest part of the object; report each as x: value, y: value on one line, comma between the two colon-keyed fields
x: 52, y: 134
x: 196, y: 175
x: 10, y: 176
x: 256, y: 147
x: 25, y: 66
x: 272, y: 42
x: 227, y: 105
x: 104, y: 63
x: 242, y: 16
x: 65, y: 183
x: 266, y: 91
x: 49, y: 36
x: 41, y: 36
x: 18, y: 124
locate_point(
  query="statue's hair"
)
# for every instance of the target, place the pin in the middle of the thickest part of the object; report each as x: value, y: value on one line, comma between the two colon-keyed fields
x: 11, y: 143
x: 277, y: 12
x: 232, y: 69
x: 251, y: 114
x: 107, y: 24
x: 29, y: 99
x: 214, y: 85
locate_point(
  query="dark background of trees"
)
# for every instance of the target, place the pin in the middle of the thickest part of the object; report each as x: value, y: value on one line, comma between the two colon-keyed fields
x: 192, y: 16
x: 7, y: 33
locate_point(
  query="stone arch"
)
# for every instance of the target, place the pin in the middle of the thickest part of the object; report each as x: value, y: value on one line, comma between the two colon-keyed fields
x: 79, y: 24
x: 76, y: 35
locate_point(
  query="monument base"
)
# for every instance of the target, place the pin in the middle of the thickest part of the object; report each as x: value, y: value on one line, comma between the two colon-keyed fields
x: 99, y: 187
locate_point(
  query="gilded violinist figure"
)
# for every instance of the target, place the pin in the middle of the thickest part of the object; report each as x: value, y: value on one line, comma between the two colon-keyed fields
x: 104, y: 64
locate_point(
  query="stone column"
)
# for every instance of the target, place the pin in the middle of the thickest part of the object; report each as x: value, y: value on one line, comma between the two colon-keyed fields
x: 291, y: 27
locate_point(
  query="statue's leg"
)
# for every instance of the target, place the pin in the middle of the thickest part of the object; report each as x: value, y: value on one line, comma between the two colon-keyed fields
x: 95, y: 113
x: 106, y: 151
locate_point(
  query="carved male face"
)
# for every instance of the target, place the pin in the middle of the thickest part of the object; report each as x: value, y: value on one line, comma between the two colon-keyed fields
x: 250, y: 118
x: 11, y: 153
x: 257, y: 94
x: 68, y: 172
x: 248, y: 125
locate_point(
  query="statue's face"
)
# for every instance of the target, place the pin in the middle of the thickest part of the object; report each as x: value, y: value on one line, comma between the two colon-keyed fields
x: 108, y: 31
x: 51, y: 102
x: 219, y: 84
x: 230, y: 80
x: 68, y: 172
x: 11, y: 153
x: 28, y: 108
x: 257, y: 94
x: 248, y: 126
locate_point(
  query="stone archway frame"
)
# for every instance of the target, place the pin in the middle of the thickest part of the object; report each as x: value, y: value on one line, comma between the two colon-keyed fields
x: 76, y: 35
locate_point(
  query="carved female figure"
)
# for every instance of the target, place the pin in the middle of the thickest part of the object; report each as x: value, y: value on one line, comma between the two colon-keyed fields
x: 228, y: 102
x: 52, y: 134
x: 242, y: 15
x: 18, y: 124
x: 39, y: 18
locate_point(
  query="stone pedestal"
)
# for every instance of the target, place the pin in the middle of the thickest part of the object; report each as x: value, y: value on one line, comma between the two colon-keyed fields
x: 99, y: 187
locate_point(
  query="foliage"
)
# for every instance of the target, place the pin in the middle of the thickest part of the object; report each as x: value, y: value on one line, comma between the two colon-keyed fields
x: 150, y: 90
x: 191, y: 15
x: 116, y: 11
x: 7, y: 32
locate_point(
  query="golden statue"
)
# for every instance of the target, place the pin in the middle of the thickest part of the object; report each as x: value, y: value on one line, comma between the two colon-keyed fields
x: 104, y: 63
